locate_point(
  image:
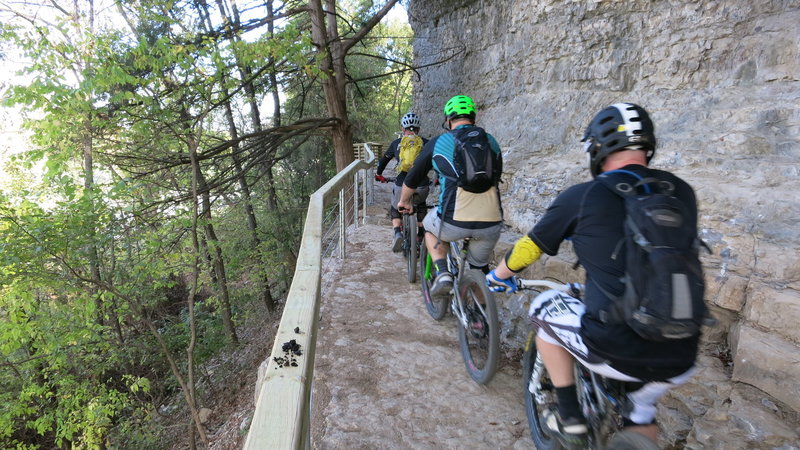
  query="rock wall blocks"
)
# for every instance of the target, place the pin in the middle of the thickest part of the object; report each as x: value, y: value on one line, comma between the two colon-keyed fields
x: 777, y: 310
x: 767, y: 362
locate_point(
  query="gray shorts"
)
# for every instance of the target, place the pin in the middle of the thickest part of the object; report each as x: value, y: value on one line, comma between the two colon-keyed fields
x: 419, y: 197
x: 482, y: 240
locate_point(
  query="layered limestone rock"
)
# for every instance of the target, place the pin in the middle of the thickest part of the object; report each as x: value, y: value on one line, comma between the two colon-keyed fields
x: 721, y: 80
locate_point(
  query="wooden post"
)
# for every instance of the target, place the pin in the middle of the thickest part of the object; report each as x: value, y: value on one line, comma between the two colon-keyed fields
x: 283, y: 410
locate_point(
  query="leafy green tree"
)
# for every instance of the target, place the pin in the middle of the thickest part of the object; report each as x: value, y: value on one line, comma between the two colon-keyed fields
x: 164, y: 192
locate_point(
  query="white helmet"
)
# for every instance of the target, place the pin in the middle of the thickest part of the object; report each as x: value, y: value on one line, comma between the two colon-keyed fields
x: 410, y: 120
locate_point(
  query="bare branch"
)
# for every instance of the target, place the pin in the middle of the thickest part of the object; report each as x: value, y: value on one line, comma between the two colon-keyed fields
x: 367, y: 27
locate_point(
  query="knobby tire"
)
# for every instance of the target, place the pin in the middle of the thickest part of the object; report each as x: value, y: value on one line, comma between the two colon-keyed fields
x: 410, y: 246
x: 480, y: 349
x: 540, y: 436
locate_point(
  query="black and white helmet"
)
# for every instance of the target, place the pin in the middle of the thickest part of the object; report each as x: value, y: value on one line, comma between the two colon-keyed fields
x: 619, y: 126
x: 410, y: 120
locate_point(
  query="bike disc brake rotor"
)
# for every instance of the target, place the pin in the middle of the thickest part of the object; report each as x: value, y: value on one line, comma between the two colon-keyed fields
x: 476, y: 324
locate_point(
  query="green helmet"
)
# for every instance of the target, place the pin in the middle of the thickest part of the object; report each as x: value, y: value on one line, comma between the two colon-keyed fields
x: 459, y: 106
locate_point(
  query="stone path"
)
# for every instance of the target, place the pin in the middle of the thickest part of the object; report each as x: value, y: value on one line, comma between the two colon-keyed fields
x: 388, y: 376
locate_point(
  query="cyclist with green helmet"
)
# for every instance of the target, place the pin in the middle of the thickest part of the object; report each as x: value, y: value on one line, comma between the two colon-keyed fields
x: 462, y: 212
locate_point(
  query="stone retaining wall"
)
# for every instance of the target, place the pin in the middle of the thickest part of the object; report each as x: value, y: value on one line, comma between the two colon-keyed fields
x: 721, y: 80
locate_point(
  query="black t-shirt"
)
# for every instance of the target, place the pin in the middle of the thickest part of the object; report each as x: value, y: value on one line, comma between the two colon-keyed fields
x: 591, y: 216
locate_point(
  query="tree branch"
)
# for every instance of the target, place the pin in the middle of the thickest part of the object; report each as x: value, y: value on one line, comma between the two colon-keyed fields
x: 348, y: 43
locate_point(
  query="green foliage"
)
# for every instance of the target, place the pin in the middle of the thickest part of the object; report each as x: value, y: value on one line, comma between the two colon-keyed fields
x: 92, y: 253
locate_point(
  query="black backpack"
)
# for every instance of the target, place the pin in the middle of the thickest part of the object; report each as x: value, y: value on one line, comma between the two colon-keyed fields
x: 478, y: 168
x: 663, y: 279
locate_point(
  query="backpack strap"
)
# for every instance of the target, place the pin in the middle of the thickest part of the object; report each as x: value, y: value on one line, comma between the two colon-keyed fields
x: 622, y: 188
x: 614, y: 314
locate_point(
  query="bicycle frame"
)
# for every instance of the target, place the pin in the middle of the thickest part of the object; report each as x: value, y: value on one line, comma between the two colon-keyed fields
x: 600, y: 398
x: 456, y: 260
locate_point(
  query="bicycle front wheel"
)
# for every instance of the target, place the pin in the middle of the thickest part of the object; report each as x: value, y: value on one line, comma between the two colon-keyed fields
x: 410, y: 245
x: 540, y: 395
x: 480, y: 339
x: 436, y: 306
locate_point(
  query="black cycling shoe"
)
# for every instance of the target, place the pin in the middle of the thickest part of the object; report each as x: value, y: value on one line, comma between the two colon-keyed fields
x: 397, y: 243
x: 572, y: 432
x: 442, y: 284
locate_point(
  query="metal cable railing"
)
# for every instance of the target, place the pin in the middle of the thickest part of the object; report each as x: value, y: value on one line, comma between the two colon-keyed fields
x: 282, y: 418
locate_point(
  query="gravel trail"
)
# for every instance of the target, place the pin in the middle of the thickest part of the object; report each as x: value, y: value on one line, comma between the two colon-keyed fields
x: 389, y: 376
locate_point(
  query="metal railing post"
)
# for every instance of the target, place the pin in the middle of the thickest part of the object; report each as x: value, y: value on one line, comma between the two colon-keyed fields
x: 371, y: 187
x: 364, y: 196
x: 355, y: 199
x: 342, y: 221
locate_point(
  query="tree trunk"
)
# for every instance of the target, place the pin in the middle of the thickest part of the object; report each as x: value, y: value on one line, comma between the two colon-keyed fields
x: 246, y: 74
x: 255, y: 117
x: 214, y: 250
x: 252, y: 224
x: 191, y: 300
x: 273, y: 79
x: 88, y: 171
x: 325, y: 37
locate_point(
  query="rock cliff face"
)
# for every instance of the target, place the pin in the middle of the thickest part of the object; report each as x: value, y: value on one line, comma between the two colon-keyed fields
x: 721, y: 80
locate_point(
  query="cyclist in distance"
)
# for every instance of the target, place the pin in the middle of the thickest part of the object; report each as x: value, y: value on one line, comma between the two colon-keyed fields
x: 410, y: 123
x: 619, y: 138
x: 462, y: 211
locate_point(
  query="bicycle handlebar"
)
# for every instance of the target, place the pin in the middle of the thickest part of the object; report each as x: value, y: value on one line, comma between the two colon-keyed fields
x: 574, y: 289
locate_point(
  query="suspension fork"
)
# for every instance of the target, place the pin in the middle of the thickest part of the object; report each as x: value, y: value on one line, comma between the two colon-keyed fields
x: 535, y: 383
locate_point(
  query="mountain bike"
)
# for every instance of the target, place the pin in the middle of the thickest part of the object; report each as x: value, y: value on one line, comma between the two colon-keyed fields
x: 410, y: 245
x: 472, y: 304
x: 601, y: 398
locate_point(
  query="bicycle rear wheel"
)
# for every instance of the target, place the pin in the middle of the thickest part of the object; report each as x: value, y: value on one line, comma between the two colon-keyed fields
x: 410, y: 245
x: 436, y: 306
x: 540, y: 395
x: 480, y: 339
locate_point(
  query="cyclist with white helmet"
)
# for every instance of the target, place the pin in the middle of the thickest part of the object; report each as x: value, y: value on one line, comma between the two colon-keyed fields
x: 619, y: 141
x: 410, y: 123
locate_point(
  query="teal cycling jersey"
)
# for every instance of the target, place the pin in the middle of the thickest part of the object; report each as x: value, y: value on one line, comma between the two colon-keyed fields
x: 455, y: 206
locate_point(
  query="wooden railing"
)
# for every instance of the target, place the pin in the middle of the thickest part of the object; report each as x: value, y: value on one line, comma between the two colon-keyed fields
x: 283, y: 408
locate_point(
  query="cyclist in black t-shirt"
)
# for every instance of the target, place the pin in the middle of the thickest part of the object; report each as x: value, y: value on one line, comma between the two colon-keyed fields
x: 620, y: 137
x: 410, y: 123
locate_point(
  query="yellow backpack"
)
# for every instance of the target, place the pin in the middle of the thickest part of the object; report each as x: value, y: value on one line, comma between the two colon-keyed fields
x: 410, y: 146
